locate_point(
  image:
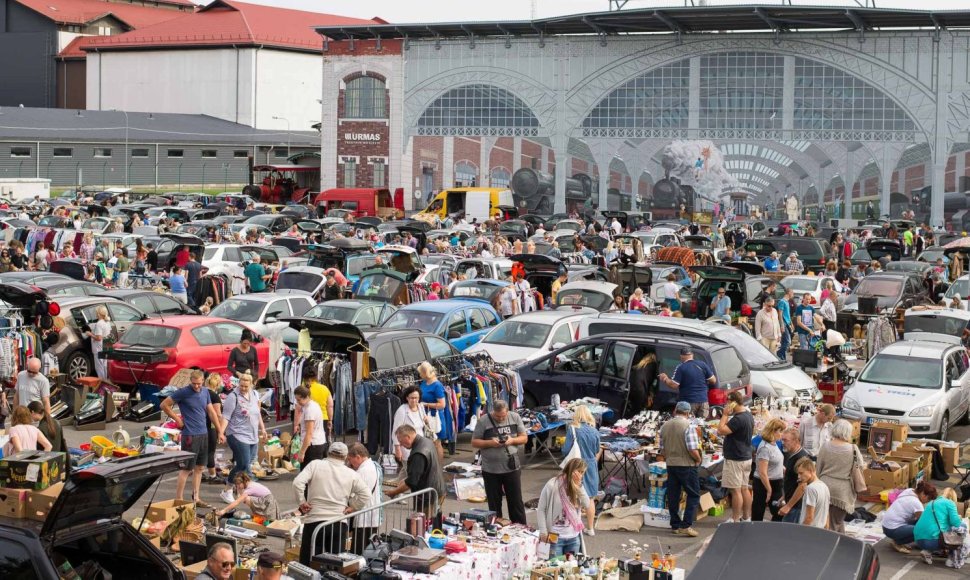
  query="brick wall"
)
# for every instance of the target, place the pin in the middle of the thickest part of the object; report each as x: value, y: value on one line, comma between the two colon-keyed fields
x: 531, y: 151
x: 428, y: 153
x: 363, y: 151
x: 363, y: 47
x: 915, y: 178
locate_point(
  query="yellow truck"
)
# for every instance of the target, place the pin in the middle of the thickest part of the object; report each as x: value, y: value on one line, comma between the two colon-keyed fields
x: 480, y: 203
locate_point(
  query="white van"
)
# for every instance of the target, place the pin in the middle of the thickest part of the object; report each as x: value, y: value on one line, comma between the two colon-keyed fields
x: 922, y: 380
x: 769, y: 375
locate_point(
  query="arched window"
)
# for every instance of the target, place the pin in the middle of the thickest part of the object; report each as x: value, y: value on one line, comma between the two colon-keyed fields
x: 499, y: 177
x: 478, y: 109
x: 466, y: 174
x: 365, y: 98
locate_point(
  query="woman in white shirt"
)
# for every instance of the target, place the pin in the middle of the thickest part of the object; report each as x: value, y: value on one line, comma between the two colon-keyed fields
x: 672, y: 293
x: 410, y: 413
x: 527, y: 300
x: 100, y: 330
x: 366, y: 524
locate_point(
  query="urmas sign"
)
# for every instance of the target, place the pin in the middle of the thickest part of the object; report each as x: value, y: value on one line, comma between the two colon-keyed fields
x: 364, y: 137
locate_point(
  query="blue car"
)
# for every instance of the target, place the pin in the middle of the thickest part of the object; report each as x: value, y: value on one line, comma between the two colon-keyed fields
x: 462, y: 322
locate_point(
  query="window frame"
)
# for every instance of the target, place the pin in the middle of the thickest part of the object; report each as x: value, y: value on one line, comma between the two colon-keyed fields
x: 103, y: 152
x: 171, y: 153
x: 209, y: 153
x: 365, y: 97
x: 19, y: 151
x: 136, y: 153
x: 236, y: 154
x: 61, y: 155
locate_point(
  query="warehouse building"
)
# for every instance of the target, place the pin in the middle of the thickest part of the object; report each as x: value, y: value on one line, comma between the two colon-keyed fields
x: 141, y: 150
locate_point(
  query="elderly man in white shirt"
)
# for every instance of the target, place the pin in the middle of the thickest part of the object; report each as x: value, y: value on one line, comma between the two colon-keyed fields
x: 366, y: 524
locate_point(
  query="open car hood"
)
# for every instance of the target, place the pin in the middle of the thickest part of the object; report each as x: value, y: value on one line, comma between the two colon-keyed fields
x: 478, y: 289
x: 109, y: 489
x: 21, y: 295
x: 72, y: 267
x: 538, y: 262
x: 185, y: 239
x: 750, y: 268
x: 381, y: 285
x: 369, y: 221
x: 718, y: 272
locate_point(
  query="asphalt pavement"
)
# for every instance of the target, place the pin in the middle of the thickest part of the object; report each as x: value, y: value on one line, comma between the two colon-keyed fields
x: 894, y: 566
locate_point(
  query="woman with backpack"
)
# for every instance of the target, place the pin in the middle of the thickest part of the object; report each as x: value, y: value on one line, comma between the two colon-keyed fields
x: 241, y: 426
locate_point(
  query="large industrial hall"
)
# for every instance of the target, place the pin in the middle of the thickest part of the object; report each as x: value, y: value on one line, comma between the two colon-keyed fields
x: 764, y: 102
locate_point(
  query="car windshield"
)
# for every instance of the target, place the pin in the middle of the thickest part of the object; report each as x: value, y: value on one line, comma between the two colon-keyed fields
x: 949, y: 325
x: 150, y: 335
x: 359, y: 263
x: 330, y: 312
x: 414, y: 319
x: 515, y: 333
x: 802, y: 284
x: 306, y: 281
x: 961, y: 287
x: 861, y: 255
x: 879, y: 287
x: 903, y: 371
x: 483, y: 291
x: 747, y: 346
x: 209, y: 253
x: 239, y: 309
x: 577, y: 297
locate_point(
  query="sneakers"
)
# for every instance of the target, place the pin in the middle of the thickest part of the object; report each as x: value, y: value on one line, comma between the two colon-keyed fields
x: 927, y: 557
x: 227, y: 496
x: 689, y: 532
x: 949, y: 562
x: 199, y: 503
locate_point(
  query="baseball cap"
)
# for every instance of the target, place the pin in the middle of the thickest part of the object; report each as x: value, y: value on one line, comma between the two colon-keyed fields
x: 686, y: 351
x: 270, y: 560
x: 338, y: 448
x: 682, y: 407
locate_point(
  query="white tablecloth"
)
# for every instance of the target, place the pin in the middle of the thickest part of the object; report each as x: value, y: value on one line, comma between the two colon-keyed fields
x: 487, y: 559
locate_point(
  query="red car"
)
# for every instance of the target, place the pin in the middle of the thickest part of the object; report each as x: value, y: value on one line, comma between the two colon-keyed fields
x: 189, y: 341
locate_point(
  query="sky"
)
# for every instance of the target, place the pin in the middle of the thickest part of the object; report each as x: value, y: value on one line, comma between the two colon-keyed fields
x: 401, y: 11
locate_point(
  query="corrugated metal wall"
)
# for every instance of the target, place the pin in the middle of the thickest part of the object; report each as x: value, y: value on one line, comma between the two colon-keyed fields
x: 189, y: 169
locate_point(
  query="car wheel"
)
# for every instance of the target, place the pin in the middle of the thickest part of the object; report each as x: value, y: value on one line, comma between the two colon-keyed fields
x: 945, y: 427
x: 79, y: 364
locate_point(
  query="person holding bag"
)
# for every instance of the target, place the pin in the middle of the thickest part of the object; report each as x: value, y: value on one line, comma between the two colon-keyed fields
x: 499, y: 435
x: 410, y: 413
x: 583, y: 442
x: 933, y: 529
x: 839, y: 466
x: 559, y: 515
x: 433, y: 401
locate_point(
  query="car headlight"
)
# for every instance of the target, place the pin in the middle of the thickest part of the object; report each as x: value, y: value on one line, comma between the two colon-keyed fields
x: 924, y: 411
x: 852, y: 404
x: 783, y: 390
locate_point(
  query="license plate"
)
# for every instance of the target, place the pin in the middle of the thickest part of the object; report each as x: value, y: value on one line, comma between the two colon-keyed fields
x: 871, y: 420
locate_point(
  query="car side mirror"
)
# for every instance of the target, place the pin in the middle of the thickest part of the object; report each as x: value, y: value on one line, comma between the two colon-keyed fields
x: 955, y: 384
x: 557, y: 345
x: 453, y: 334
x: 271, y: 319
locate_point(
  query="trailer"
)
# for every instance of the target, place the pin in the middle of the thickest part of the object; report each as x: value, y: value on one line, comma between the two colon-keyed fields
x: 24, y: 188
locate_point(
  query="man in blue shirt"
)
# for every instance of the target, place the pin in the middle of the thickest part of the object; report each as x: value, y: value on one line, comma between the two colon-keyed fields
x: 772, y: 263
x: 691, y: 378
x: 721, y: 305
x: 194, y: 404
x: 784, y: 309
x: 805, y: 321
x: 193, y: 273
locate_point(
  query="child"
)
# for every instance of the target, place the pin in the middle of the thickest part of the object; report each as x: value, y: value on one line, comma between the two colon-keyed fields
x: 815, y: 501
x: 207, y: 307
x: 665, y: 310
x: 435, y: 293
x: 256, y: 496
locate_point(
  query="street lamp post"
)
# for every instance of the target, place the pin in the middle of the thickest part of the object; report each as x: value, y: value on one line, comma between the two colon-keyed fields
x: 126, y: 145
x: 287, y: 134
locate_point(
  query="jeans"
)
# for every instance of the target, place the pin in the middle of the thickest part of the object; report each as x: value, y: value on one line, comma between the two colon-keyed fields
x: 785, y: 343
x: 242, y: 456
x: 803, y: 341
x: 362, y: 392
x: 566, y: 546
x: 682, y: 479
x: 674, y: 304
x: 793, y: 515
x: 931, y: 545
x: 902, y: 535
x: 509, y: 486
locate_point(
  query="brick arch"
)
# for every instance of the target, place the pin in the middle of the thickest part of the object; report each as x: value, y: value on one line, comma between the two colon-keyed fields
x: 361, y: 74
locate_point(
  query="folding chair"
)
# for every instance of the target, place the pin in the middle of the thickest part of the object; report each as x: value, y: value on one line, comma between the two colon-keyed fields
x: 963, y: 466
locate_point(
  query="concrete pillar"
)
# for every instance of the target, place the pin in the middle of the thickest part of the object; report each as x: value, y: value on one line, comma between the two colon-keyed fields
x: 406, y: 177
x: 448, y: 162
x: 848, y: 177
x: 516, y: 154
x: 961, y: 168
x: 484, y: 160
x: 885, y: 185
x: 544, y: 161
x: 694, y: 94
x: 936, y: 207
x: 787, y: 113
x: 560, y: 147
x: 635, y: 171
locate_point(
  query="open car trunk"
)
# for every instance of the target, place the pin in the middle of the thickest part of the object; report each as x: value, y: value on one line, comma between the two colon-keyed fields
x: 383, y: 285
x: 327, y: 335
x: 540, y: 270
x: 86, y: 522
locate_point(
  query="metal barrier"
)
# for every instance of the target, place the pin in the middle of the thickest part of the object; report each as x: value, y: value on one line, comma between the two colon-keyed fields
x: 352, y: 532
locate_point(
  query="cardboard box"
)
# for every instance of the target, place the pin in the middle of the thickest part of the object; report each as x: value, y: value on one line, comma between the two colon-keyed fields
x: 167, y: 510
x: 656, y: 517
x: 40, y: 502
x: 926, y: 452
x: 912, y: 467
x: 32, y: 469
x: 242, y: 574
x: 951, y: 456
x: 13, y: 503
x: 271, y: 456
x: 900, y: 430
x: 292, y: 554
x: 856, y: 431
x: 877, y: 480
x: 192, y: 571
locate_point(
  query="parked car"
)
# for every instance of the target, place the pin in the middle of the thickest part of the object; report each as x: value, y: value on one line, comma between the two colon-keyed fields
x: 921, y: 381
x: 167, y: 246
x: 891, y: 290
x: 809, y: 285
x: 660, y: 271
x: 67, y: 287
x: 461, y: 322
x: 73, y: 349
x: 920, y: 268
x: 769, y: 376
x: 599, y: 367
x: 742, y: 281
x: 264, y: 313
x: 595, y: 295
x: 739, y: 551
x: 154, y: 304
x: 813, y: 252
x: 360, y: 313
x: 488, y: 268
x: 932, y: 253
x: 87, y: 523
x: 302, y: 280
x: 959, y: 287
x: 201, y: 342
x: 530, y: 335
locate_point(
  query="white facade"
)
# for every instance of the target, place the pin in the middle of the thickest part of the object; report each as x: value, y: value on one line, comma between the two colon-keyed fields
x: 243, y: 85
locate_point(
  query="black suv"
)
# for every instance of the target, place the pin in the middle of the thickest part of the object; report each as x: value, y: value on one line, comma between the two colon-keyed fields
x: 811, y: 251
x: 87, y: 522
x: 599, y: 367
x: 743, y: 282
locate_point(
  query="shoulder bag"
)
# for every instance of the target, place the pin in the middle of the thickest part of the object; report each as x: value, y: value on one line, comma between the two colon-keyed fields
x: 949, y: 540
x: 858, y: 480
x: 574, y: 452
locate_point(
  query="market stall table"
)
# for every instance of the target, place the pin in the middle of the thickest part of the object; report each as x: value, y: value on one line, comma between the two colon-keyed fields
x: 540, y: 444
x: 488, y: 558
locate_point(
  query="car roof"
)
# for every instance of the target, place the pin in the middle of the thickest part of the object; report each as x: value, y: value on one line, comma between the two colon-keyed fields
x: 693, y: 341
x: 186, y: 321
x: 121, y: 292
x: 549, y: 316
x: 305, y: 270
x: 74, y: 301
x: 446, y: 305
x: 352, y: 303
x: 263, y: 297
x: 384, y: 334
x: 917, y: 349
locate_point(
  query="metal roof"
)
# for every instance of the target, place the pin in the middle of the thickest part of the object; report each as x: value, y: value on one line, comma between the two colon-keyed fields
x: 685, y: 20
x: 69, y: 125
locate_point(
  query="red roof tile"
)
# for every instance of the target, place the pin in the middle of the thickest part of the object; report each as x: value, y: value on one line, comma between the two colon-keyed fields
x: 84, y: 11
x: 74, y: 48
x: 227, y: 22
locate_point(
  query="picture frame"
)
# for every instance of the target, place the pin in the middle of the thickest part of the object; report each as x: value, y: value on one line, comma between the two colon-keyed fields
x: 881, y: 440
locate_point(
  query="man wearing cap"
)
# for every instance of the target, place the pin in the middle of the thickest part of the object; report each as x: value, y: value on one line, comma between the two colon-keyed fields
x: 691, y: 378
x: 793, y: 264
x: 681, y: 451
x: 328, y: 489
x: 269, y: 566
x: 772, y: 263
